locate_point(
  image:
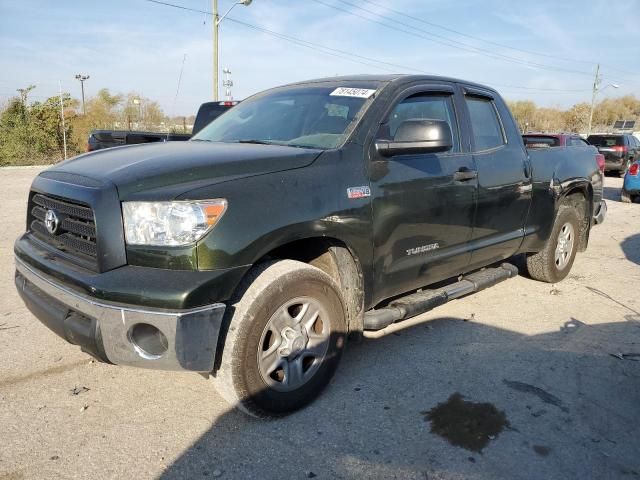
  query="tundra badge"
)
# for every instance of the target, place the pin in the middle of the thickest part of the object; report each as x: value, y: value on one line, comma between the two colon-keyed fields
x: 423, y: 249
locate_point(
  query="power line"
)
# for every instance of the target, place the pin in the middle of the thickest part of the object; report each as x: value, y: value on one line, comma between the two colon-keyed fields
x: 442, y: 40
x: 472, y: 37
x: 522, y: 50
x: 368, y: 61
x: 315, y: 46
x: 304, y: 43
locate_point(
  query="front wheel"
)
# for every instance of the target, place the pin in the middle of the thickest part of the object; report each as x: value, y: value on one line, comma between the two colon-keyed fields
x: 285, y: 336
x: 553, y: 263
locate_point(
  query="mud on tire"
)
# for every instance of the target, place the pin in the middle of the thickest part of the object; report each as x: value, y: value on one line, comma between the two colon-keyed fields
x: 285, y: 336
x: 553, y: 263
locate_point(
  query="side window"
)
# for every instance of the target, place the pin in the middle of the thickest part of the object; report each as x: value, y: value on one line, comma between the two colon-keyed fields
x: 423, y: 107
x: 578, y: 142
x: 485, y: 123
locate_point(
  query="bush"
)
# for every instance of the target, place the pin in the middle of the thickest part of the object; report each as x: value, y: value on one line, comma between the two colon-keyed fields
x: 32, y: 134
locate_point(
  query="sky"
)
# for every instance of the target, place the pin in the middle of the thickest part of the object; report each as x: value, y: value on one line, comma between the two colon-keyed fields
x: 545, y: 51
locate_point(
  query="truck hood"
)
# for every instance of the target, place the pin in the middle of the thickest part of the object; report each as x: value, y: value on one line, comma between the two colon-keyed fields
x: 166, y: 170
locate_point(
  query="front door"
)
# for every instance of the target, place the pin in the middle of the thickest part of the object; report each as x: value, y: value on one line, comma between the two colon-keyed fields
x: 423, y: 208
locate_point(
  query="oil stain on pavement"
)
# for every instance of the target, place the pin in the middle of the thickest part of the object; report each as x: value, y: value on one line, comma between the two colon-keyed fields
x: 466, y: 424
x: 543, y: 395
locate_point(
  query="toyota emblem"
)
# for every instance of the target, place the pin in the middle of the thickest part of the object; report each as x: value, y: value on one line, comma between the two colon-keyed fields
x: 51, y: 222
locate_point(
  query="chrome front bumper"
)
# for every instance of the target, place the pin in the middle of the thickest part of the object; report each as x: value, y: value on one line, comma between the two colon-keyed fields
x: 105, y: 329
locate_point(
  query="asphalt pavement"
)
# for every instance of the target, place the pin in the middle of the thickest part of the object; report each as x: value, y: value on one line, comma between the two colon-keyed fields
x: 556, y: 366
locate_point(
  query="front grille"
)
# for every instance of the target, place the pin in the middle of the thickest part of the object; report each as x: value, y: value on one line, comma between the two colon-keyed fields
x: 76, y: 231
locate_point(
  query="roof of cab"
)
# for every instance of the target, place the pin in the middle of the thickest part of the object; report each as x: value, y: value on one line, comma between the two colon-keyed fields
x: 390, y: 78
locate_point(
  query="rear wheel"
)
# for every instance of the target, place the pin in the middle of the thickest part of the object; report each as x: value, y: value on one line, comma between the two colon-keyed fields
x: 553, y: 263
x: 284, y: 341
x: 625, y: 197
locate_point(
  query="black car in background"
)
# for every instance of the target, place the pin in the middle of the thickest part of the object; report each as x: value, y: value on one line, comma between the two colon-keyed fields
x: 99, y: 139
x: 208, y: 111
x: 619, y: 150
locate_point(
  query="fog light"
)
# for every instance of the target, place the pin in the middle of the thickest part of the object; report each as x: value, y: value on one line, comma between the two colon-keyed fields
x: 148, y: 341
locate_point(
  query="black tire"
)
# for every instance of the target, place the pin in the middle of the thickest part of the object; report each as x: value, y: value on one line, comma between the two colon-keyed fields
x: 625, y: 197
x: 543, y: 266
x: 267, y: 290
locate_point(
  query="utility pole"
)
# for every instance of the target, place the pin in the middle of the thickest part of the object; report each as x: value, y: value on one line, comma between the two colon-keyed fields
x: 216, y: 23
x: 64, y: 128
x: 82, y: 78
x: 596, y: 86
x: 215, y: 50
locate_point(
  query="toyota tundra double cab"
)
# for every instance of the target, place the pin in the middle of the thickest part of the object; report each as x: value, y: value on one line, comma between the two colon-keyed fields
x: 306, y: 215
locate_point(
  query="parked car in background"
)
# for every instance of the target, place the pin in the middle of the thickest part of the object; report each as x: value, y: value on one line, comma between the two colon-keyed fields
x: 208, y: 111
x: 549, y: 140
x: 619, y: 150
x: 99, y: 139
x: 631, y: 187
x: 545, y: 140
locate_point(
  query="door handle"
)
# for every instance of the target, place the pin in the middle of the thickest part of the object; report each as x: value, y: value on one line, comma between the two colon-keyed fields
x: 465, y: 175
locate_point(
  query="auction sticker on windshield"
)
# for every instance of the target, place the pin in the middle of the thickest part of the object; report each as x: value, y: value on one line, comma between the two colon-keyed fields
x: 352, y: 92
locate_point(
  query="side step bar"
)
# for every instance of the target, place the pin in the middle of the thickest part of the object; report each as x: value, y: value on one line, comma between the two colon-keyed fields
x: 420, y: 302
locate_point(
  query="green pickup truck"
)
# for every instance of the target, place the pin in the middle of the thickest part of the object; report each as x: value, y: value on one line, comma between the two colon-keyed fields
x: 306, y: 215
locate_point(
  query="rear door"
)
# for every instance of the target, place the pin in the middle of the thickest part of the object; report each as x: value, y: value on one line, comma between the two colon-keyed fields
x: 504, y: 178
x: 422, y: 213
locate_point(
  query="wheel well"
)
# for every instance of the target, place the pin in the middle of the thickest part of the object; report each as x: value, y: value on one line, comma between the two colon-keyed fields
x: 333, y: 257
x: 580, y: 199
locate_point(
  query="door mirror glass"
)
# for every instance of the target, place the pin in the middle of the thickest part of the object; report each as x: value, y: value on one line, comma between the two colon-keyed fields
x: 416, y: 137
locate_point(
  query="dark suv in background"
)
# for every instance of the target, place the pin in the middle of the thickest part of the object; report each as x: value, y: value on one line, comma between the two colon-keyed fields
x: 619, y: 151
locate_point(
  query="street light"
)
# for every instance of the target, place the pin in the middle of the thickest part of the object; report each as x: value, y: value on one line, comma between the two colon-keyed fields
x: 136, y: 101
x: 216, y: 23
x: 82, y: 78
x: 596, y: 89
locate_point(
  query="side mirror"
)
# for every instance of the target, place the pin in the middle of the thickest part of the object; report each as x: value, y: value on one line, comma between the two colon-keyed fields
x: 417, y: 136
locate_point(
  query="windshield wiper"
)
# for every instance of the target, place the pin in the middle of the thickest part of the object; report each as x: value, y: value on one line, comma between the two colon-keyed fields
x: 256, y: 141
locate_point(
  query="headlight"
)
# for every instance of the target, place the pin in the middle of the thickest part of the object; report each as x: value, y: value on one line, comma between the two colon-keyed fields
x: 170, y: 223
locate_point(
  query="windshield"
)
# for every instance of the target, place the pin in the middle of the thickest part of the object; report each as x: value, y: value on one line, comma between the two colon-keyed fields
x: 312, y: 117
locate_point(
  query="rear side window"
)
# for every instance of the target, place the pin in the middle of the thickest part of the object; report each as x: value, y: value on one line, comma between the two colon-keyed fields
x: 423, y: 107
x: 485, y: 123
